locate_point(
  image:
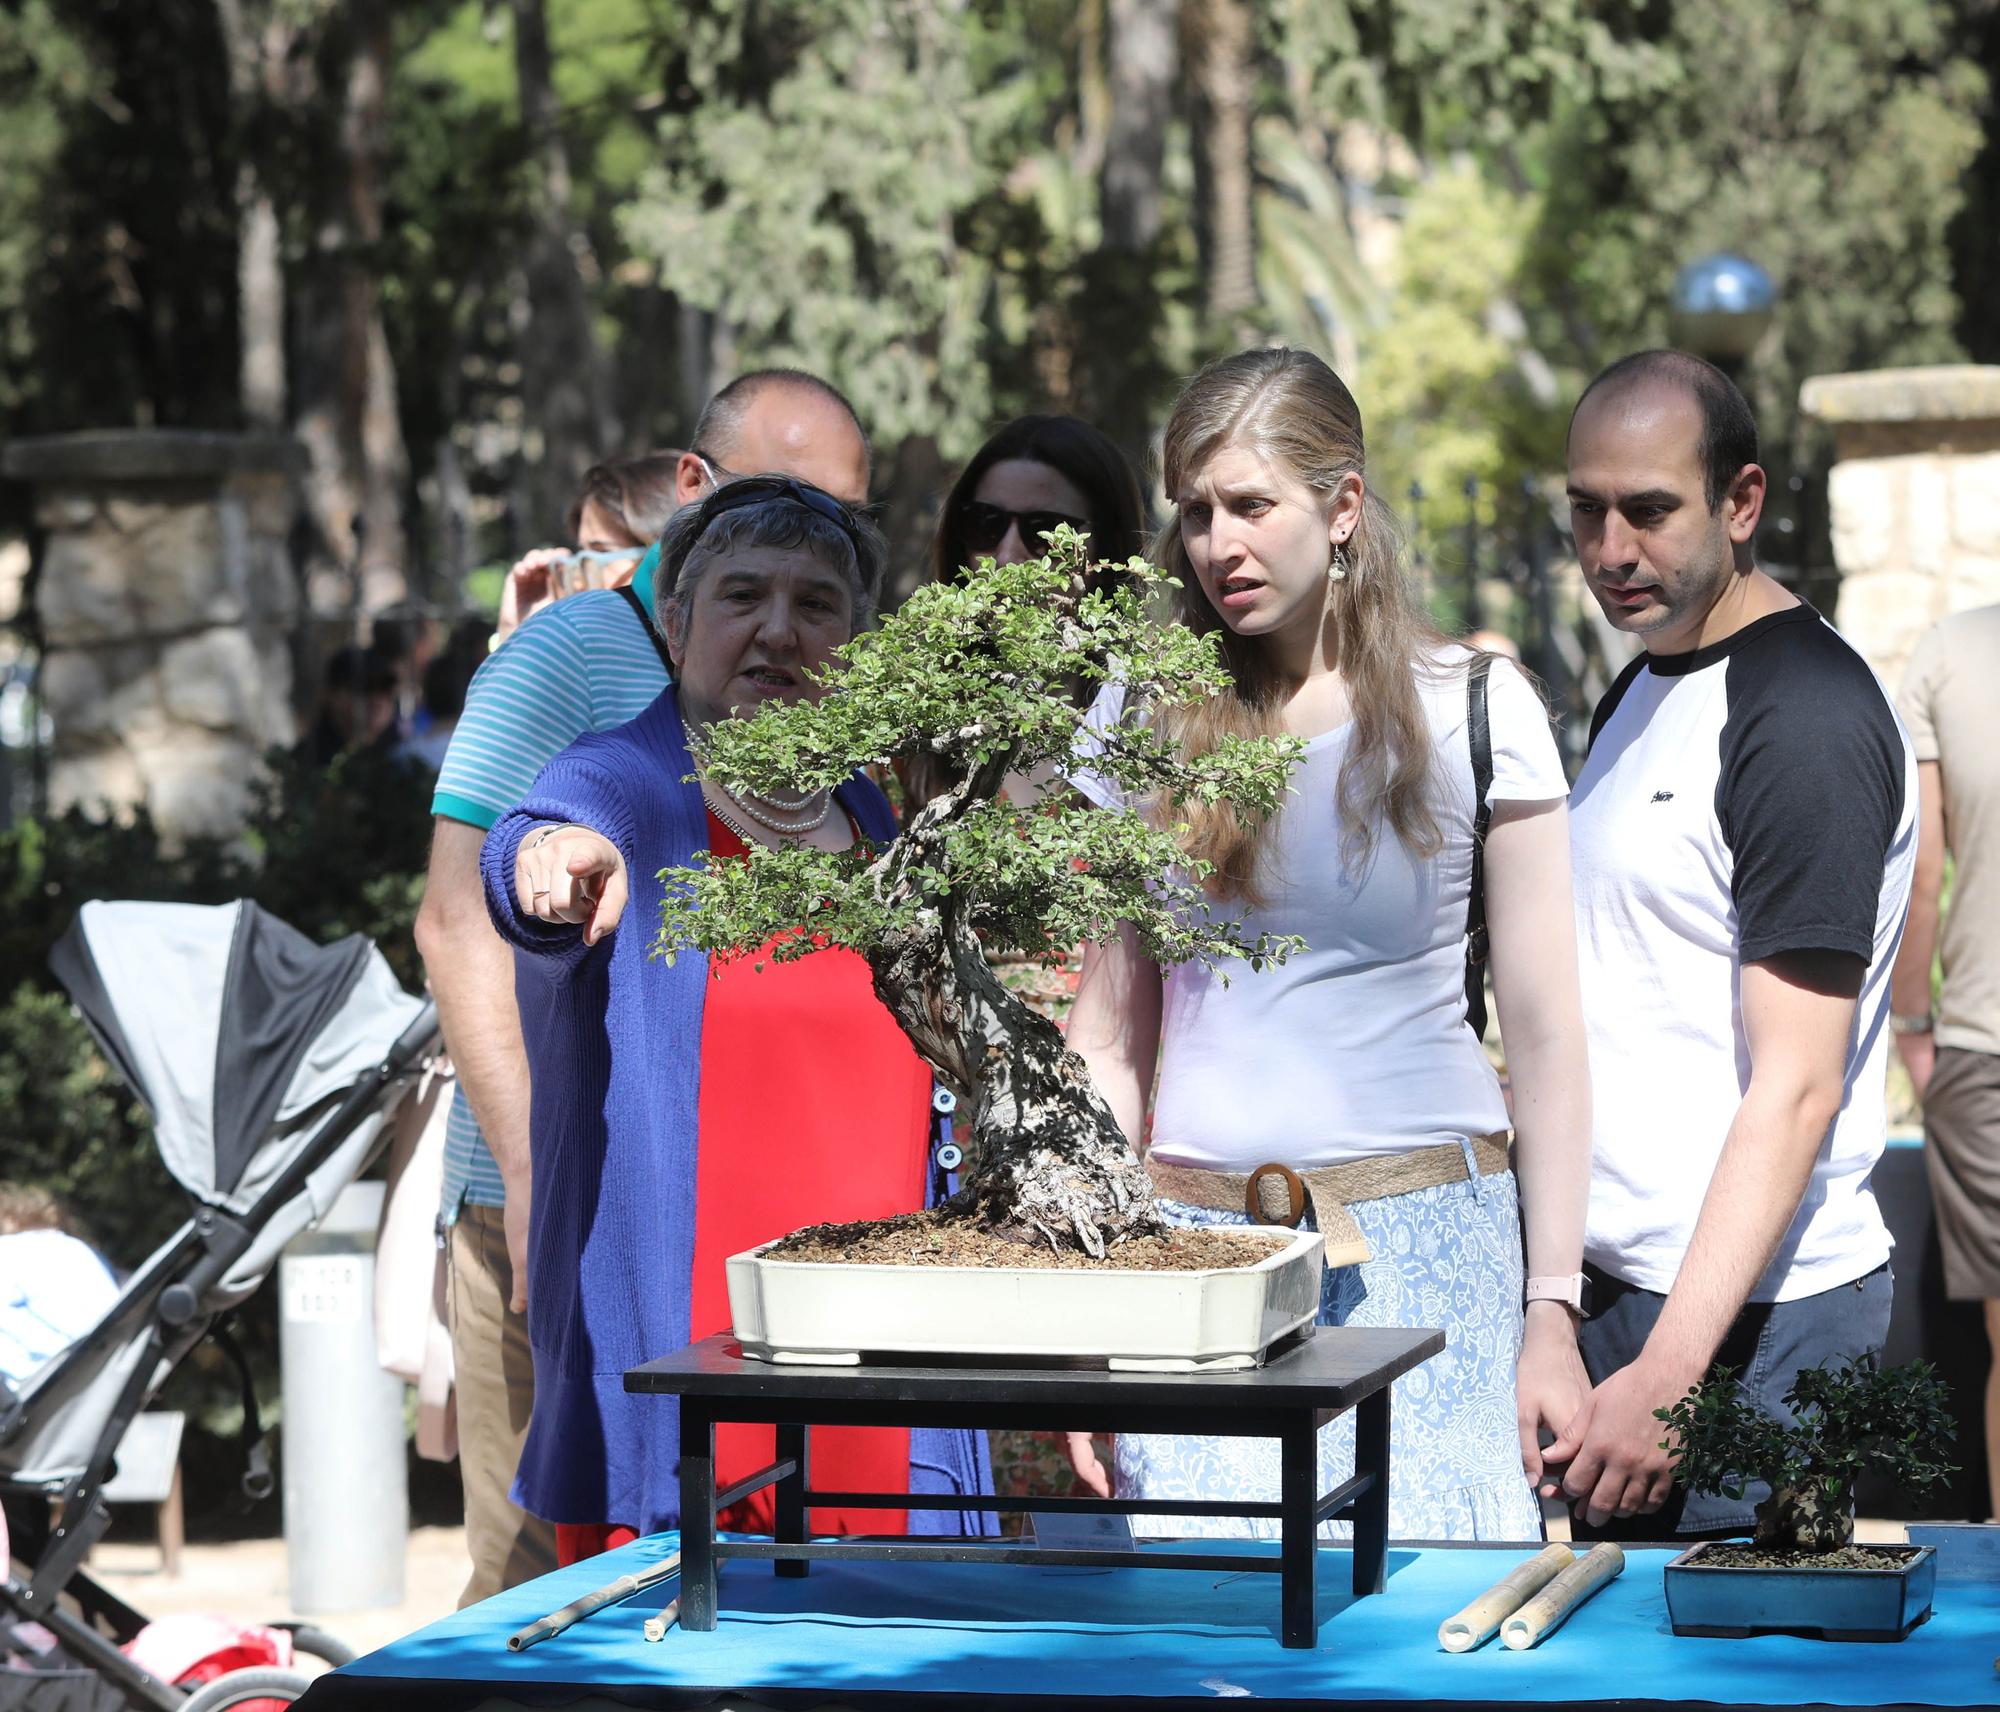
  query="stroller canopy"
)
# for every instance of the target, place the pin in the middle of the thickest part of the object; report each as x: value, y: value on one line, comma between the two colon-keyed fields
x: 232, y: 1027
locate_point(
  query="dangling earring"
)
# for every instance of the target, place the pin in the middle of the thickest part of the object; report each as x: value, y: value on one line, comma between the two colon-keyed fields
x: 1337, y: 571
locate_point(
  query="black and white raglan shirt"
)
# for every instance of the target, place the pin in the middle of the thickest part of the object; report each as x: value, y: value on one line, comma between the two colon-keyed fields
x: 1750, y: 798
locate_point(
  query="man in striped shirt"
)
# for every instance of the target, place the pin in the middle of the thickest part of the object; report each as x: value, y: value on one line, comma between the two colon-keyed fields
x: 587, y: 663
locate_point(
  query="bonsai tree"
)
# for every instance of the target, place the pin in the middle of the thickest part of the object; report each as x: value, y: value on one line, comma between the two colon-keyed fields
x: 992, y: 675
x: 1852, y: 1419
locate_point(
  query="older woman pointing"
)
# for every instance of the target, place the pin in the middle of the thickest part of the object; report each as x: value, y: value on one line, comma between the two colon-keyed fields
x: 682, y: 1114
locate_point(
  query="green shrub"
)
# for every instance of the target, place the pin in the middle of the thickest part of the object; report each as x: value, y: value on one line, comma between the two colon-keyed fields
x: 74, y: 1129
x: 342, y: 849
x: 49, y: 868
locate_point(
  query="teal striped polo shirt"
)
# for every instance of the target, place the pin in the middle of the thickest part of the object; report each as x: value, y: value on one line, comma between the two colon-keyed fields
x: 583, y: 664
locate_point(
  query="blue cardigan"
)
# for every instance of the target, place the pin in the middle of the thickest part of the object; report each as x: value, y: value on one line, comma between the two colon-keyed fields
x: 613, y: 1040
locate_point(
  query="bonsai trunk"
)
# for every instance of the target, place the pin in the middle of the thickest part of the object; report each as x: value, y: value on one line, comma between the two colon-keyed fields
x: 1808, y: 1517
x: 1048, y: 1162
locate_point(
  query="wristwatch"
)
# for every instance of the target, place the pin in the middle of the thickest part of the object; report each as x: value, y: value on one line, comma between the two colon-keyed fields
x: 1572, y: 1290
x: 1902, y: 1023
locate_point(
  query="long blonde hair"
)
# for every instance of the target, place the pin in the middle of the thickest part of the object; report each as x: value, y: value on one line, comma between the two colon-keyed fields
x: 1288, y: 408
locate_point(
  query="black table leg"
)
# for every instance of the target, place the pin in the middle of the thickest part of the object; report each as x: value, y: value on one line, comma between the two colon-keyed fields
x: 697, y: 1516
x: 1371, y: 1508
x: 1298, y: 1546
x: 1282, y: 1402
x: 794, y: 1446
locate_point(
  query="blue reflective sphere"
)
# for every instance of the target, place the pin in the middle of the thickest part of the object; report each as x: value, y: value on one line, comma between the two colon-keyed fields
x: 1724, y: 285
x: 1721, y: 306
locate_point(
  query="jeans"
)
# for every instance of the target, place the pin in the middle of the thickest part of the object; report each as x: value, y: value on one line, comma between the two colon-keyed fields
x: 1767, y: 1346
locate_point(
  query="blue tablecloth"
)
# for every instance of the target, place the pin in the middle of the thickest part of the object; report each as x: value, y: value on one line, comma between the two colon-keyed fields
x: 855, y: 1632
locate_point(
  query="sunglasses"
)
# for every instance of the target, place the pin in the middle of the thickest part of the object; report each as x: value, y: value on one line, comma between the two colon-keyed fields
x: 740, y: 491
x: 985, y: 526
x: 720, y: 475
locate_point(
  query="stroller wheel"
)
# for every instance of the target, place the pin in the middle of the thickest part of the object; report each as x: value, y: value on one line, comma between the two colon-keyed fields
x: 257, y: 1687
x: 328, y: 1648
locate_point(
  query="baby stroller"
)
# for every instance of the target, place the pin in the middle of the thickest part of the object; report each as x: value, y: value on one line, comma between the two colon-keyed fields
x: 271, y: 1066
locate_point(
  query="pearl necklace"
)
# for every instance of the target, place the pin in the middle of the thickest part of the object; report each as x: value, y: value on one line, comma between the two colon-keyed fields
x: 754, y: 804
x: 697, y: 743
x: 729, y: 820
x: 748, y: 804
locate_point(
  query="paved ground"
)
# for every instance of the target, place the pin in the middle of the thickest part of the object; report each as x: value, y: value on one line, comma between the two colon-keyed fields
x: 246, y: 1579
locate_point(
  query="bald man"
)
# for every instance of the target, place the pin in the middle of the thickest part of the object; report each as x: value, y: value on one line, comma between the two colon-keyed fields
x: 777, y: 421
x: 1743, y: 835
x: 587, y: 663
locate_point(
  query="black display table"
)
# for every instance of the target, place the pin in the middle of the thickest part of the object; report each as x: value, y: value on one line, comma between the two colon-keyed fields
x: 1300, y: 1388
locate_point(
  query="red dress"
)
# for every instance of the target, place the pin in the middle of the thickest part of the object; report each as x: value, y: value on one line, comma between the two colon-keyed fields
x: 814, y: 1109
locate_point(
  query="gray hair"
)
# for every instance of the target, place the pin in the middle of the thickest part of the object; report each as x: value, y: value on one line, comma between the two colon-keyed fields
x: 697, y: 537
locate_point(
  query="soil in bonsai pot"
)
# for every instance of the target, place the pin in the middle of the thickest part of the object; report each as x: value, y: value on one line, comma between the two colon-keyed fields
x: 939, y: 1239
x: 1844, y: 1557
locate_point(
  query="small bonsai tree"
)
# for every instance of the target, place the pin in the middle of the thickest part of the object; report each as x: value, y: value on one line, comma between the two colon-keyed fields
x: 985, y: 674
x: 1851, y: 1419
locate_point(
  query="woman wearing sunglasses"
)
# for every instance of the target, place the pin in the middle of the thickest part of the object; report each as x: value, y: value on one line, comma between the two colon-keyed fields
x: 682, y: 1114
x: 1036, y: 473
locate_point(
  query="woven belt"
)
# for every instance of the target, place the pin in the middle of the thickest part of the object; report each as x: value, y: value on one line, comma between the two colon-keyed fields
x: 1277, y: 1195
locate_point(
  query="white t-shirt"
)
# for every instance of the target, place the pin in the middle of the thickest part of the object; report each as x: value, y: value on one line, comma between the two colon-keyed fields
x: 1744, y: 800
x: 1358, y: 1045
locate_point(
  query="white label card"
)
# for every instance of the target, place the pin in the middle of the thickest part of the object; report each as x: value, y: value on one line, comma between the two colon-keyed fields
x: 328, y: 1289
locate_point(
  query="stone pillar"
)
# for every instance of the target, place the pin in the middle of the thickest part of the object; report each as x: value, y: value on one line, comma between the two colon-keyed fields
x: 1914, y: 496
x: 166, y: 598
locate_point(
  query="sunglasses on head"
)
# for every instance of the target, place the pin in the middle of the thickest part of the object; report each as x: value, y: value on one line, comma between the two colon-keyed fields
x: 985, y: 526
x: 721, y: 476
x: 740, y: 491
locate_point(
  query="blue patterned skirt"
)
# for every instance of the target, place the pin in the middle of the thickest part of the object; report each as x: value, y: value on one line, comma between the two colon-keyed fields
x: 1449, y: 1257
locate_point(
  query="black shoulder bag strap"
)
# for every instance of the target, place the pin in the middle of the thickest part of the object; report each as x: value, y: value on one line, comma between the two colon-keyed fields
x: 638, y: 606
x: 1480, y: 733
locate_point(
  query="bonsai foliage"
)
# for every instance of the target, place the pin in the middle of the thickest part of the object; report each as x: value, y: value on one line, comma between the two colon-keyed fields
x: 984, y: 674
x: 1851, y: 1419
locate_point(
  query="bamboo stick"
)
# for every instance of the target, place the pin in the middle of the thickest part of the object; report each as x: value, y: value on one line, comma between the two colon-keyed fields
x: 1481, y: 1620
x: 669, y: 1615
x: 578, y: 1609
x: 1551, y: 1608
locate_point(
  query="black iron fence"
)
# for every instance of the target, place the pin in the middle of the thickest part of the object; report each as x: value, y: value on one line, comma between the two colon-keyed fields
x: 1503, y: 568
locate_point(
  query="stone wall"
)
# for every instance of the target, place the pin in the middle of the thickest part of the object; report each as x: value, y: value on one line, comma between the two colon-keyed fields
x: 1914, y: 500
x: 166, y: 600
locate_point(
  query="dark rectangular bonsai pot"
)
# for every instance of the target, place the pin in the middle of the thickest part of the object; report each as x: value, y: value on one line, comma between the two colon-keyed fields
x: 1830, y: 1604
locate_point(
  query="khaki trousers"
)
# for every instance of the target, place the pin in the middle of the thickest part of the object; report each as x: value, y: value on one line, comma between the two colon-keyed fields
x: 496, y: 1395
x: 1962, y: 1125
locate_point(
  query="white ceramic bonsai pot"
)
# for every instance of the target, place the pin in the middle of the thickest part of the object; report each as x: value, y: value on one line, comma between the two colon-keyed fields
x: 1834, y: 1604
x: 820, y: 1313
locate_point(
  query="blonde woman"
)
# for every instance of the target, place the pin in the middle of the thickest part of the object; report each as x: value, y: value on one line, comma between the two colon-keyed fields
x: 1353, y: 1065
